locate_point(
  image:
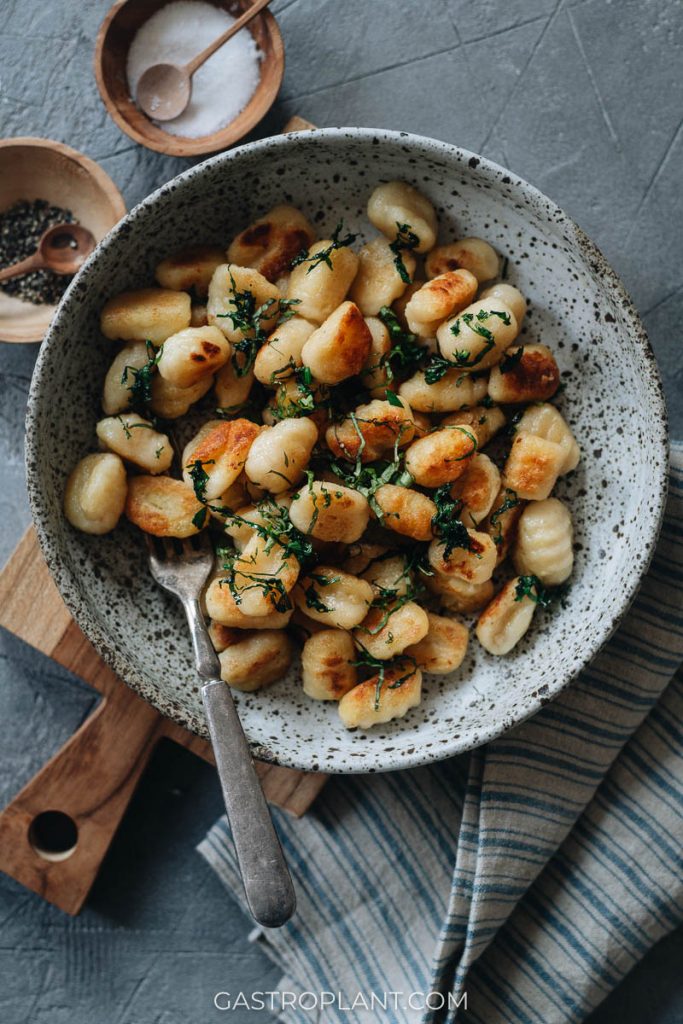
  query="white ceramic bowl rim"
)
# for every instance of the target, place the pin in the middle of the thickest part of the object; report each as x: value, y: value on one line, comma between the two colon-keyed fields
x: 523, y: 193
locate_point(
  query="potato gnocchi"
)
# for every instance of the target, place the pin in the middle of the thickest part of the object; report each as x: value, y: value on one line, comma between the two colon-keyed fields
x: 332, y: 406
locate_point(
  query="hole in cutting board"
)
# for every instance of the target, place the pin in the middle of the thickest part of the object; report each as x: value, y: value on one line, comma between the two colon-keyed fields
x: 53, y: 835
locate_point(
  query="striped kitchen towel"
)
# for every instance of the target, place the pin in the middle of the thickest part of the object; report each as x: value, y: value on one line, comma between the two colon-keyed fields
x: 518, y: 884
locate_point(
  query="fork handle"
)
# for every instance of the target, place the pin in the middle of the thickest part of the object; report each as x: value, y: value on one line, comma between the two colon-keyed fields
x: 267, y: 882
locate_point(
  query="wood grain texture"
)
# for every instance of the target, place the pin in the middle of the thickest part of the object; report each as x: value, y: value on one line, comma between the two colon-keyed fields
x: 94, y: 775
x: 42, y: 169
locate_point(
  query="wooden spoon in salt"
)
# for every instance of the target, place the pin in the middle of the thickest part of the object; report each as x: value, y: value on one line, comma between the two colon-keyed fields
x: 164, y: 90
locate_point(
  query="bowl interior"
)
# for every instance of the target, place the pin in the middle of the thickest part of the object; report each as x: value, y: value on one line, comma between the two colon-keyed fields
x: 612, y: 398
x: 111, y: 56
x: 40, y: 169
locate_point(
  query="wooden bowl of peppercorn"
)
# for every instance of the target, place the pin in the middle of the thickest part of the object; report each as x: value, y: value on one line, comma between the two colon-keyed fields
x: 44, y: 183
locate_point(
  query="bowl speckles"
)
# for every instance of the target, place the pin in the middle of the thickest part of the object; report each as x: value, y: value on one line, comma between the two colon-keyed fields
x: 613, y: 399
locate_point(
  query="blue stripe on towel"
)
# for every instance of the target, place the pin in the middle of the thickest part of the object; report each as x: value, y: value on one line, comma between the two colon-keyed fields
x: 530, y: 875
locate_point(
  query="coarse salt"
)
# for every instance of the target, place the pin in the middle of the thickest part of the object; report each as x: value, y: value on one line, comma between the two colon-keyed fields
x: 222, y: 87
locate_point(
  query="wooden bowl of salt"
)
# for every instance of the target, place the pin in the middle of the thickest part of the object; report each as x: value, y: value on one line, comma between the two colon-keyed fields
x: 229, y: 96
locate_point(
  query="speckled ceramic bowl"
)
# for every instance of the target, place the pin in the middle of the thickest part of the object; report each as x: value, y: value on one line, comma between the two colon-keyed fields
x: 613, y: 400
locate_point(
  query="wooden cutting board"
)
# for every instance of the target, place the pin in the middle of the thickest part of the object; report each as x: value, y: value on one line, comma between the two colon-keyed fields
x: 55, y: 832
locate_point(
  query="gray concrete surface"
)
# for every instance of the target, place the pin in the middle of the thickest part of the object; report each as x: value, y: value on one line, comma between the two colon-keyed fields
x: 581, y: 98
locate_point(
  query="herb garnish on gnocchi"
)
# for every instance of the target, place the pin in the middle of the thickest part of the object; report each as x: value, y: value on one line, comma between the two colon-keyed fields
x: 334, y: 406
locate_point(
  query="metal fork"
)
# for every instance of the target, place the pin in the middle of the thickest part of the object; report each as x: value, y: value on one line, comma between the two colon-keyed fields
x: 182, y: 568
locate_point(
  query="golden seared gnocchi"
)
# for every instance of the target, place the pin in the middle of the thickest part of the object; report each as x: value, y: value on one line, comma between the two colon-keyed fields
x: 443, y: 648
x: 511, y: 296
x: 340, y: 347
x: 506, y: 619
x: 375, y: 374
x: 232, y: 388
x: 254, y: 660
x: 270, y: 244
x: 405, y: 511
x: 438, y: 299
x: 192, y: 354
x: 150, y: 314
x: 400, y: 212
x: 454, y: 390
x: 544, y: 420
x: 528, y: 374
x: 216, y: 456
x: 95, y: 493
x: 279, y: 455
x: 328, y: 667
x: 320, y: 283
x: 171, y: 402
x: 473, y: 254
x: 223, y: 609
x: 190, y: 269
x: 441, y: 457
x: 136, y: 440
x: 484, y: 420
x: 533, y: 466
x: 386, y: 631
x: 477, y: 489
x: 333, y: 597
x: 162, y: 506
x: 386, y: 573
x: 297, y: 397
x: 378, y: 281
x: 119, y: 383
x: 330, y: 511
x: 262, y: 576
x: 503, y: 519
x: 242, y: 302
x: 473, y: 560
x: 344, y: 487
x: 460, y: 595
x: 543, y: 547
x: 389, y: 694
x: 477, y: 338
x: 371, y: 430
x: 280, y: 355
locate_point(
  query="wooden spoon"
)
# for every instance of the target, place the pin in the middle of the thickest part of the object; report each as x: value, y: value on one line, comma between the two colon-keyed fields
x: 164, y: 90
x: 63, y: 248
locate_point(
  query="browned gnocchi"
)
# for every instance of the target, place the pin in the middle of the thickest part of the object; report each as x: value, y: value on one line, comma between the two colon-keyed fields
x: 361, y: 436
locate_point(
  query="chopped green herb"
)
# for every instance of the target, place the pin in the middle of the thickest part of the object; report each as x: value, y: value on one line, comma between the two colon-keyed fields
x: 128, y: 427
x: 313, y: 599
x: 247, y: 318
x: 508, y: 362
x: 369, y: 477
x: 324, y: 255
x: 531, y: 586
x: 446, y: 522
x: 437, y: 368
x: 393, y: 399
x: 476, y: 323
x: 200, y: 517
x: 141, y: 388
x: 510, y: 501
x: 200, y: 477
x: 406, y: 240
x: 406, y: 353
x: 286, y: 405
x: 367, y: 660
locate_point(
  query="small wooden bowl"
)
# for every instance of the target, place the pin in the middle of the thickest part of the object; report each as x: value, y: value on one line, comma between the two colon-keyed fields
x: 42, y: 169
x: 111, y: 53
